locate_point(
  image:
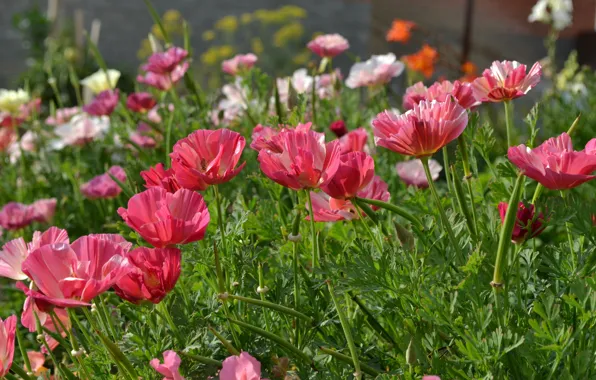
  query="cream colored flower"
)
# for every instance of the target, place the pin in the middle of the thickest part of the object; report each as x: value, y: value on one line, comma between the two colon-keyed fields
x: 98, y: 82
x: 11, y: 100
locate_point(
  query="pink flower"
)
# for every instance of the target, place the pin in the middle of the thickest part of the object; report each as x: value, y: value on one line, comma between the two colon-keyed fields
x: 169, y: 368
x: 103, y: 104
x: 28, y: 320
x: 81, y: 130
x: 163, y: 82
x: 103, y: 186
x: 141, y: 102
x: 43, y: 210
x: 356, y: 170
x: 160, y: 177
x: 7, y: 337
x: 430, y: 377
x: 154, y: 275
x: 421, y: 131
x: 141, y: 138
x: 555, y: 164
x: 238, y: 64
x: 71, y: 275
x: 527, y: 224
x: 8, y: 136
x: 327, y: 209
x: 241, y: 367
x: 354, y: 141
x: 63, y: 115
x: 506, y: 80
x: 165, y: 62
x: 262, y: 136
x: 339, y: 128
x: 37, y: 360
x: 412, y: 172
x: 165, y: 219
x: 440, y: 91
x: 377, y: 71
x: 328, y: 45
x: 14, y: 216
x: 303, y: 160
x: 12, y: 256
x: 207, y: 157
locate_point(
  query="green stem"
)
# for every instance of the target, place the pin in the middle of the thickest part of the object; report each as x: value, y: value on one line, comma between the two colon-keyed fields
x: 220, y: 221
x: 315, y: 245
x: 461, y: 140
x: 262, y: 295
x: 168, y: 137
x: 463, y: 205
x: 164, y: 312
x: 106, y: 315
x: 44, y: 342
x: 506, y: 229
x: 447, y: 166
x: 537, y: 193
x: 568, y: 230
x: 23, y: 351
x: 346, y: 359
x: 445, y: 221
x: 377, y: 244
x: 393, y: 208
x: 73, y: 342
x: 19, y: 371
x: 346, y: 327
x: 201, y: 359
x: 509, y: 121
x: 223, y: 293
x: 295, y: 235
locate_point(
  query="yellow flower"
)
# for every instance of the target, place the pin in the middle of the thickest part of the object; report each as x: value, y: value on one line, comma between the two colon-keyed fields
x: 208, y: 35
x: 11, y: 101
x: 172, y: 15
x: 227, y: 23
x: 145, y: 49
x: 257, y: 45
x: 156, y: 31
x: 210, y: 57
x: 302, y: 58
x: 225, y: 51
x: 98, y: 81
x: 246, y: 18
x: 286, y: 33
x: 293, y: 11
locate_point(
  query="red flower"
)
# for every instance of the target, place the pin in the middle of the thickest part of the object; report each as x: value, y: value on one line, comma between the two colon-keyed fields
x: 160, y: 177
x: 555, y: 164
x: 421, y: 131
x: 339, y: 128
x: 354, y: 141
x: 154, y: 275
x: 506, y: 80
x: 165, y: 219
x: 400, y: 31
x: 527, y: 224
x: 207, y: 157
x: 103, y: 104
x: 356, y: 170
x: 141, y: 102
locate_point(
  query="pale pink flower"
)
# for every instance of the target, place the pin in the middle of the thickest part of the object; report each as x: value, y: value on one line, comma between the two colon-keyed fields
x: 80, y: 130
x: 238, y: 64
x: 412, y: 172
x: 328, y: 45
x: 439, y: 91
x: 378, y: 70
x: 170, y: 366
x: 240, y: 367
x: 506, y: 80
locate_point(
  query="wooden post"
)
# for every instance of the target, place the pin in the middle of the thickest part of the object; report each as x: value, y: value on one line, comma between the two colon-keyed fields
x: 466, y: 43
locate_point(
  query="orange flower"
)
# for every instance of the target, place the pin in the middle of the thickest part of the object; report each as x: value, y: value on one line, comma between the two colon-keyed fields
x: 423, y: 61
x: 470, y: 71
x: 400, y: 31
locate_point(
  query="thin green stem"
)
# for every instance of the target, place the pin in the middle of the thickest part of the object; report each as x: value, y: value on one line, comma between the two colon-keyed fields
x: 347, y: 332
x: 313, y: 233
x: 164, y: 312
x: 537, y: 193
x: 445, y: 221
x: 103, y: 310
x: 461, y: 141
x: 168, y: 137
x: 262, y: 294
x: 377, y: 244
x: 295, y: 238
x: 223, y: 295
x: 23, y: 351
x: 509, y: 121
x: 447, y: 167
x: 568, y: 230
x: 220, y: 220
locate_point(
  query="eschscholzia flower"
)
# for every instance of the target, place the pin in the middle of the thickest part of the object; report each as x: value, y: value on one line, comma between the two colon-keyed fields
x: 101, y: 80
x: 440, y: 91
x: 430, y: 377
x: 158, y: 176
x: 301, y: 159
x: 103, y: 186
x: 164, y: 82
x: 14, y: 216
x: 8, y: 137
x: 81, y: 130
x: 207, y: 157
x: 421, y: 131
x: 356, y: 170
x: 506, y: 80
x: 242, y: 366
x: 423, y: 61
x: 155, y: 273
x: 354, y: 141
x: 470, y: 71
x: 262, y: 136
x: 36, y: 360
x: 239, y: 64
x: 555, y: 164
x: 377, y: 71
x: 527, y: 224
x: 103, y: 104
x: 328, y: 45
x: 170, y: 366
x: 327, y: 209
x: 71, y: 275
x: 43, y: 210
x: 7, y: 338
x: 141, y: 102
x: 165, y: 219
x: 62, y: 116
x: 141, y: 137
x: 165, y: 62
x: 339, y: 128
x: 30, y: 309
x: 400, y: 31
x: 412, y: 172
x: 12, y: 100
x: 558, y: 13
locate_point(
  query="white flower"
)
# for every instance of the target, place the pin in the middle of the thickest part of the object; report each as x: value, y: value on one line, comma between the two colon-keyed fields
x: 80, y: 130
x: 378, y: 70
x: 557, y: 13
x: 301, y: 81
x: 98, y: 81
x: 11, y: 100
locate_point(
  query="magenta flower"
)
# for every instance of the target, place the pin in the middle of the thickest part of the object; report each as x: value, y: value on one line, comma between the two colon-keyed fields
x: 527, y: 224
x: 239, y: 64
x: 161, y: 177
x: 242, y: 366
x: 141, y: 137
x: 14, y: 216
x: 262, y: 136
x: 43, y: 210
x: 12, y: 256
x: 412, y: 172
x: 164, y: 82
x: 505, y: 80
x: 103, y: 186
x: 354, y: 141
x: 165, y: 62
x: 141, y: 102
x: 103, y: 104
x: 328, y: 45
x: 356, y: 170
x: 555, y: 164
x: 439, y: 91
x: 170, y: 366
x: 339, y: 128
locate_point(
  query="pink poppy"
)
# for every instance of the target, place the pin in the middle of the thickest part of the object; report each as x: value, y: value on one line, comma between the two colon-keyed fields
x: 170, y: 366
x: 155, y: 273
x: 161, y: 177
x: 328, y: 45
x: 377, y: 71
x: 14, y: 216
x: 165, y: 219
x: 165, y: 62
x: 354, y: 141
x: 302, y: 160
x: 527, y: 224
x: 356, y: 170
x: 7, y: 338
x: 412, y: 172
x: 141, y: 102
x: 103, y: 104
x: 207, y: 157
x: 37, y: 360
x: 103, y: 186
x: 262, y: 136
x: 242, y: 366
x: 166, y: 81
x: 63, y: 115
x: 555, y: 164
x: 421, y: 131
x: 141, y: 137
x: 43, y: 210
x: 8, y: 136
x: 238, y: 64
x: 439, y: 91
x: 505, y: 80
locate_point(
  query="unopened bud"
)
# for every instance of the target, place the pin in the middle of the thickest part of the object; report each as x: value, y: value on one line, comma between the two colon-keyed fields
x: 294, y: 238
x: 262, y: 290
x: 235, y: 284
x: 223, y: 296
x: 39, y: 337
x: 93, y: 308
